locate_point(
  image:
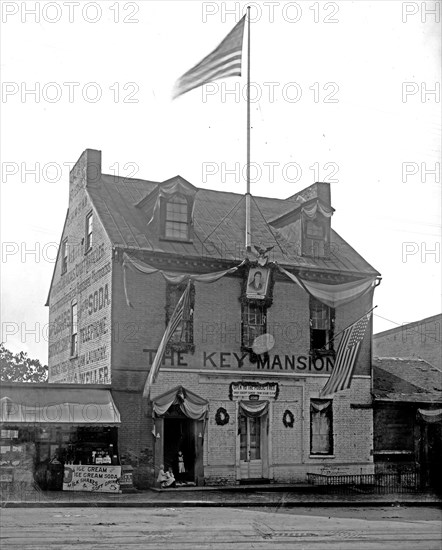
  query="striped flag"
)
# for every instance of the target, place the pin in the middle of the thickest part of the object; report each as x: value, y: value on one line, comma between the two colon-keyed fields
x: 177, y: 317
x: 346, y: 356
x: 224, y: 61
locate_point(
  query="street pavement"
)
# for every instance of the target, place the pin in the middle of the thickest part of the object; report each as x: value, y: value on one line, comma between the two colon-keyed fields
x: 193, y: 528
x: 281, y: 496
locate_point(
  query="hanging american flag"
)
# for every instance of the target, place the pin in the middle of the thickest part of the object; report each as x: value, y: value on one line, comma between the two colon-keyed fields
x: 224, y: 61
x: 176, y: 319
x: 346, y: 356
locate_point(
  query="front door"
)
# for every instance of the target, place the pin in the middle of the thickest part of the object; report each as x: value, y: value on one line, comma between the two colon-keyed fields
x: 250, y: 447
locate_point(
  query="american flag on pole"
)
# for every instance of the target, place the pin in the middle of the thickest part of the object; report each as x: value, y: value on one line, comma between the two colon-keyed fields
x: 346, y: 356
x: 177, y: 317
x: 224, y: 61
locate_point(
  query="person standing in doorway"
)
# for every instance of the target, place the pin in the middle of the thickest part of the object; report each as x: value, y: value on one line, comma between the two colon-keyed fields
x: 181, y: 467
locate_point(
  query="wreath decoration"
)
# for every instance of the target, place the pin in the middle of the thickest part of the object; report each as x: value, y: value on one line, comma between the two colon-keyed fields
x: 288, y: 419
x: 222, y: 416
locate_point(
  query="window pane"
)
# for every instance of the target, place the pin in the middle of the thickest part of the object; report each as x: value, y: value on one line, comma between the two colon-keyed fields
x: 314, y: 230
x: 176, y: 219
x: 176, y: 229
x: 255, y: 438
x: 74, y: 335
x: 321, y: 430
x: 89, y: 230
x: 243, y: 437
x: 253, y: 323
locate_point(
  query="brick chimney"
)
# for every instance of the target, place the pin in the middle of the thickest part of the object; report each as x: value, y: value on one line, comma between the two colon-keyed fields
x: 86, y: 172
x: 323, y: 192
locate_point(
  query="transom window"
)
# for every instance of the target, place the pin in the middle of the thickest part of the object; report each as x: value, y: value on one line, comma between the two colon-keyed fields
x: 177, y: 218
x: 254, y: 319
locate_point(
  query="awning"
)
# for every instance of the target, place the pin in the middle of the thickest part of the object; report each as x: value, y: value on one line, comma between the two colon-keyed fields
x: 191, y: 404
x: 430, y: 415
x: 29, y: 404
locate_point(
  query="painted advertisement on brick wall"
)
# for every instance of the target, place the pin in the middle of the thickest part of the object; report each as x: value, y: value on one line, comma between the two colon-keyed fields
x: 80, y: 297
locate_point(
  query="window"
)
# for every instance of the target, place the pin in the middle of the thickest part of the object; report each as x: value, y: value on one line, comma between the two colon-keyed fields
x: 321, y: 427
x: 89, y: 231
x: 182, y: 338
x: 254, y: 319
x: 64, y: 256
x: 176, y: 218
x: 74, y: 327
x: 316, y: 236
x: 322, y: 320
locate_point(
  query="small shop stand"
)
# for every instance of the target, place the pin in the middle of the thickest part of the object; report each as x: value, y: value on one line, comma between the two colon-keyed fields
x: 59, y: 437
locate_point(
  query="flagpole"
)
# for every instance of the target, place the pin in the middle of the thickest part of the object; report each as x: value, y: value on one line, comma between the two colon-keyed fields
x: 248, y: 229
x: 350, y: 325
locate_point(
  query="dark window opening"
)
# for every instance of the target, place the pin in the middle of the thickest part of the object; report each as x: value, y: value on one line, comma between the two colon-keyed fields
x: 322, y: 320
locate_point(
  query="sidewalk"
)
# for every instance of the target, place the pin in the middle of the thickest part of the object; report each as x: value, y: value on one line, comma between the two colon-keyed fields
x: 242, y: 496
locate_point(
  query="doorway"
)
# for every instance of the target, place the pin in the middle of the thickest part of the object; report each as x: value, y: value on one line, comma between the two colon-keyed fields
x: 252, y: 449
x: 179, y: 435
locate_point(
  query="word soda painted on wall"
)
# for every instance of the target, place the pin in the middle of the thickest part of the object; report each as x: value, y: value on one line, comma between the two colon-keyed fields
x: 98, y: 479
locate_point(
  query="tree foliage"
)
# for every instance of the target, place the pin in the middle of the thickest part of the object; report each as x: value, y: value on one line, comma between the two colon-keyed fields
x: 19, y: 367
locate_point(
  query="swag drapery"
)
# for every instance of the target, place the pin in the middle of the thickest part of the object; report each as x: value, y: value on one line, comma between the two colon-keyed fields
x: 172, y: 277
x: 310, y: 211
x: 330, y: 294
x: 191, y: 404
x: 254, y: 409
x: 432, y: 416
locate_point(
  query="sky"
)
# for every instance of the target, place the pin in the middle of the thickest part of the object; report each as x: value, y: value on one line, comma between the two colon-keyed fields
x: 345, y: 92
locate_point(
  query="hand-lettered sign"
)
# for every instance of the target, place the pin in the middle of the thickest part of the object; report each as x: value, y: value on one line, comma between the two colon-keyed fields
x: 98, y: 479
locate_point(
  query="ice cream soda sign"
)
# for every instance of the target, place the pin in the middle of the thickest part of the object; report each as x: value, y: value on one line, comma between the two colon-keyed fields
x: 92, y: 478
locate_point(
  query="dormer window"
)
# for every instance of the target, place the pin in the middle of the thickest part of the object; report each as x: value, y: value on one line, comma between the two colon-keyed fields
x: 314, y: 238
x: 176, y: 218
x: 315, y: 224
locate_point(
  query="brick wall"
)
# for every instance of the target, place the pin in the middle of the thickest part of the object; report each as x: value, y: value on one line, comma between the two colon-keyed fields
x: 290, y: 458
x: 87, y: 281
